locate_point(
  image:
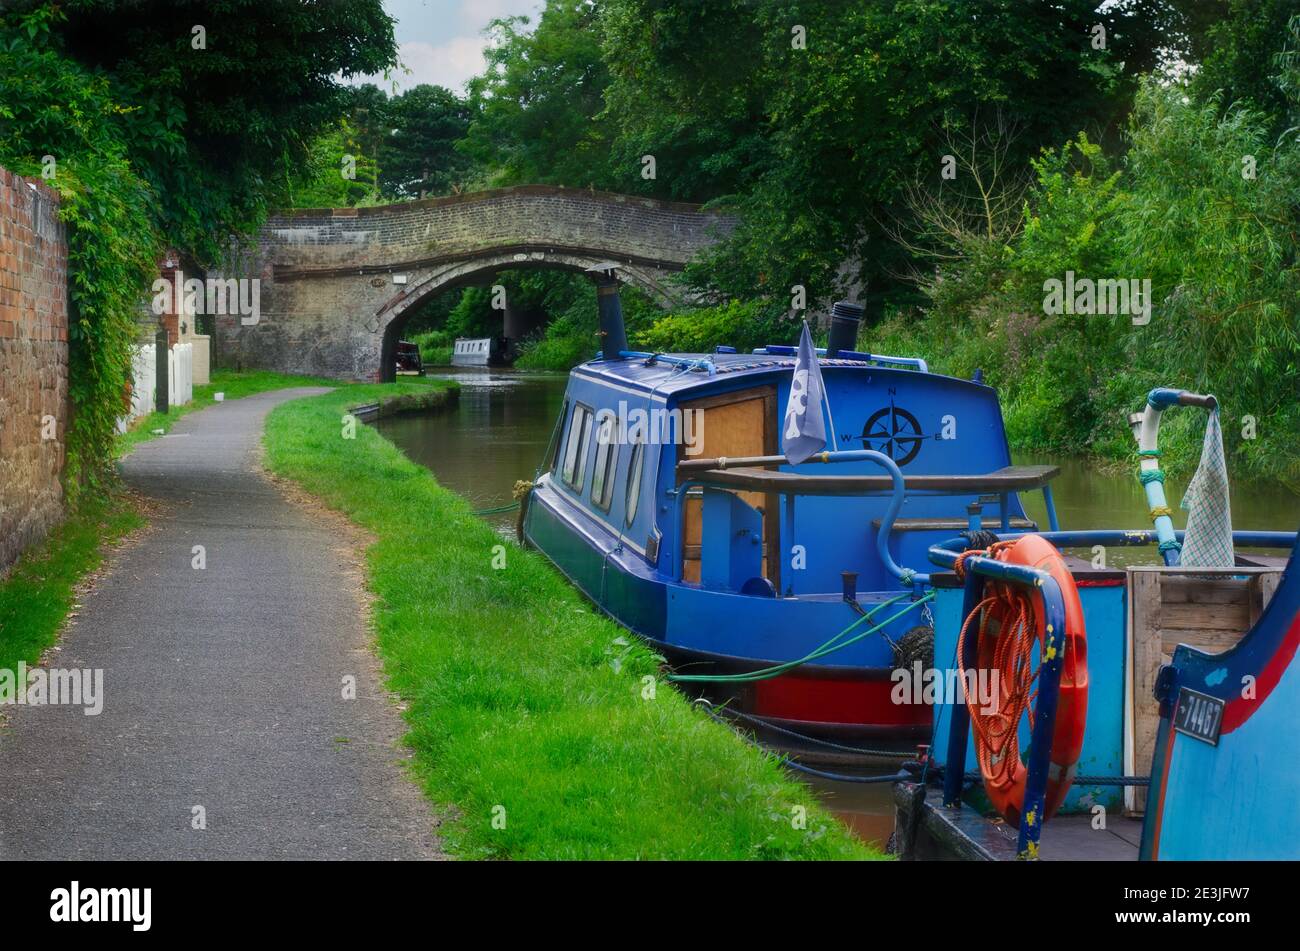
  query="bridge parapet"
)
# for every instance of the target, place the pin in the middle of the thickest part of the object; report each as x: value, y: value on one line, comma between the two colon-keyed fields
x: 540, y: 215
x: 335, y: 283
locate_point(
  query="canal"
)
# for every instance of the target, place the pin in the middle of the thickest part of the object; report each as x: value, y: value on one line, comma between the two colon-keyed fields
x: 503, y: 423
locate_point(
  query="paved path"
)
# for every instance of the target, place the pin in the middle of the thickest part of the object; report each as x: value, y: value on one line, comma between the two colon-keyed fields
x: 222, y: 686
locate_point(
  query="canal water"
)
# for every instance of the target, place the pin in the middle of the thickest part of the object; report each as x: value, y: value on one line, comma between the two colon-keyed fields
x: 503, y: 423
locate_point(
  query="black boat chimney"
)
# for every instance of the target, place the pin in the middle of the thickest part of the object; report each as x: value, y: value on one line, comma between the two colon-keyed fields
x: 612, y: 333
x: 845, y: 320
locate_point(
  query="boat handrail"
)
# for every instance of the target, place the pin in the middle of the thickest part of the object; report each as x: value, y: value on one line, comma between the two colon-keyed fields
x: 894, y: 480
x: 784, y: 350
x: 945, y: 552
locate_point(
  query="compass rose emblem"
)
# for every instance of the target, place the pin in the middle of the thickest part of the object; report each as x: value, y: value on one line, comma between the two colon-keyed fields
x: 895, y: 432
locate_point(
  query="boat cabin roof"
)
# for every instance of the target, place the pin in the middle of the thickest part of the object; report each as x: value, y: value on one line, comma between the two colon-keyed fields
x: 673, y: 373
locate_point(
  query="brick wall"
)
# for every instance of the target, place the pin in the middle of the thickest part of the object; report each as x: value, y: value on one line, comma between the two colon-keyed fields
x: 335, y: 282
x: 33, y: 363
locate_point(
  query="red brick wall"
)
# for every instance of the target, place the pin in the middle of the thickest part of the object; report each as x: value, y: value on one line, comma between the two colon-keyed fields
x: 33, y: 363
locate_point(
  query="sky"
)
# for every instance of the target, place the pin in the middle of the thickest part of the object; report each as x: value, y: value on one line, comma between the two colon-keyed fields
x: 441, y: 41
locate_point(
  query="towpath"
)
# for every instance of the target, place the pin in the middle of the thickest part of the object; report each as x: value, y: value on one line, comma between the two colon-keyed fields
x: 224, y: 733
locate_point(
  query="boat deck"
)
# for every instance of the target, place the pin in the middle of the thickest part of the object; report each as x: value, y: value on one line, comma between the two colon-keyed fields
x: 940, y: 833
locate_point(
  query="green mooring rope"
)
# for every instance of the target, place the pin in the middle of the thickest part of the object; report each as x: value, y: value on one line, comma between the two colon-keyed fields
x: 834, y: 644
x: 499, y: 509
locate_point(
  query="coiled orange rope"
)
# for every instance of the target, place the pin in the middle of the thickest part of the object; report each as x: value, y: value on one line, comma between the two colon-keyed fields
x: 996, y: 730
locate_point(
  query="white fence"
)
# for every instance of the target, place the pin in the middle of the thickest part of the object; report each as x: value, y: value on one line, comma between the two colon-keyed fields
x: 180, y: 380
x: 180, y: 373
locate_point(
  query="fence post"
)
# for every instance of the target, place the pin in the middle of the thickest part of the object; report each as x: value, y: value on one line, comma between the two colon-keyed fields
x: 160, y: 371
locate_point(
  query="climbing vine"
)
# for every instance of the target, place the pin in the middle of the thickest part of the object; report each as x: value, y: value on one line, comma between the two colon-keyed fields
x: 155, y: 137
x: 57, y: 122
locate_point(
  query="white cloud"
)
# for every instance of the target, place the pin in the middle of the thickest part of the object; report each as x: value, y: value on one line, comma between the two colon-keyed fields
x: 448, y: 64
x: 476, y: 14
x: 441, y: 41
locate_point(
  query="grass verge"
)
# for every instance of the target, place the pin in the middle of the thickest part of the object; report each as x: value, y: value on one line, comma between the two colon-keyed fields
x: 524, y: 704
x: 37, y: 595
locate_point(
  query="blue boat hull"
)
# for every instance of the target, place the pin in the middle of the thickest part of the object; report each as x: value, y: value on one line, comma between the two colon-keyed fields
x: 719, y: 632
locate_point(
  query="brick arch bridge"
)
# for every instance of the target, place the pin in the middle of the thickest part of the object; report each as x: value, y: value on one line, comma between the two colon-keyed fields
x: 337, y: 285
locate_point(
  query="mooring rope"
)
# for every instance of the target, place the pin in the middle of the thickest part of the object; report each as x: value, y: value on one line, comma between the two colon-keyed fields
x: 829, y: 647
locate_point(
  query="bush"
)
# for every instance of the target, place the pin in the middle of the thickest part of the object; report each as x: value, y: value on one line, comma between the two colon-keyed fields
x: 435, y: 348
x: 1219, y: 250
x: 740, y: 324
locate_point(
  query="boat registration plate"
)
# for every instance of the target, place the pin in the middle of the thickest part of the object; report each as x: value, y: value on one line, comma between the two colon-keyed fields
x: 1198, y: 715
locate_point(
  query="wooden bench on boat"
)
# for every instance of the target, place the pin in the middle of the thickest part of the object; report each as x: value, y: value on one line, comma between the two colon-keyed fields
x: 748, y: 475
x: 751, y: 478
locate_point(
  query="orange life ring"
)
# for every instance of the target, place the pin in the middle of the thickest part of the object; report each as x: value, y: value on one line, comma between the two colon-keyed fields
x: 1006, y: 649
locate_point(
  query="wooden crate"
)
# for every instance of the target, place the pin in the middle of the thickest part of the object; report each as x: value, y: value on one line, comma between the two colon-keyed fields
x: 1207, y: 608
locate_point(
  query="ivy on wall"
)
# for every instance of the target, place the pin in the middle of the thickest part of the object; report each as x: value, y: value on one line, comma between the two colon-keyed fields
x: 57, y: 124
x: 156, y: 136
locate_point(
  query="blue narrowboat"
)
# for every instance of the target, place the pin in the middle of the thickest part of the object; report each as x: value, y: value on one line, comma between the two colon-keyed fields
x: 836, y: 601
x: 792, y: 592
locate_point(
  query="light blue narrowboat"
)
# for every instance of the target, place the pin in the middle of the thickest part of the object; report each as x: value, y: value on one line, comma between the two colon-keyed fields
x: 1190, y: 687
x: 1216, y: 778
x: 822, y: 601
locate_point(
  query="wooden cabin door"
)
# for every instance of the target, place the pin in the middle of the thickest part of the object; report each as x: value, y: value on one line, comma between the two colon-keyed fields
x: 734, y: 424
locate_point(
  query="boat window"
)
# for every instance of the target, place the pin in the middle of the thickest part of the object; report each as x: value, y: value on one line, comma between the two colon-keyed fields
x: 602, y: 477
x: 575, y: 450
x: 634, y: 481
x: 557, y: 444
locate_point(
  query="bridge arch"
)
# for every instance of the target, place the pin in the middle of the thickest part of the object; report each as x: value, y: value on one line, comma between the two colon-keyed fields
x: 337, y: 284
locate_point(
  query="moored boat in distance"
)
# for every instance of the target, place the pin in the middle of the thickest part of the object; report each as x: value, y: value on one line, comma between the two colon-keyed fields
x: 475, y: 352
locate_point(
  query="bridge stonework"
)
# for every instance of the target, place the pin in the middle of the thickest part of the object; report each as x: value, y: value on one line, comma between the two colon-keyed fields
x: 337, y: 284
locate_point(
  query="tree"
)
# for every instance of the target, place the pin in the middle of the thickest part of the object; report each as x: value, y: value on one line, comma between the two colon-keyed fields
x: 167, y: 124
x: 538, y: 107
x: 1235, y: 43
x: 821, y: 110
x: 217, y: 97
x: 335, y: 174
x: 419, y: 157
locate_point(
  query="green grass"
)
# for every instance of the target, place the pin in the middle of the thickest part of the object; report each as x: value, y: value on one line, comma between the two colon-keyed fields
x: 523, y: 699
x: 37, y: 595
x: 233, y: 383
